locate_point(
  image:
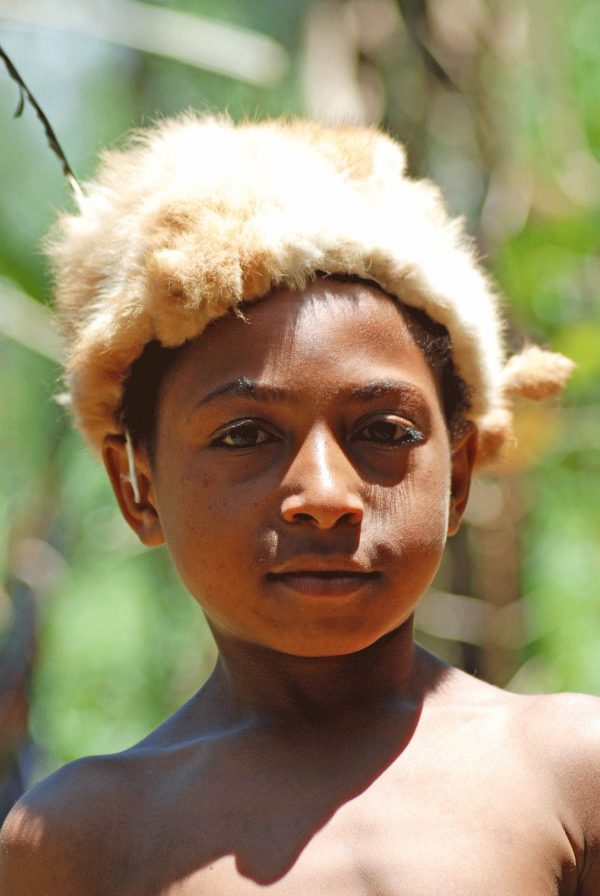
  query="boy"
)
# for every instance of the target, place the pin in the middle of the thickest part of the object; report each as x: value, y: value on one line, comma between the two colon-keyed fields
x: 291, y: 363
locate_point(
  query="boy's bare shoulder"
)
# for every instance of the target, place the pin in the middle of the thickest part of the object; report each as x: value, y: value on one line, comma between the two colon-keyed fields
x: 557, y: 736
x: 47, y: 839
x: 563, y: 729
x: 574, y: 718
x: 78, y: 823
x: 558, y: 733
x: 68, y: 830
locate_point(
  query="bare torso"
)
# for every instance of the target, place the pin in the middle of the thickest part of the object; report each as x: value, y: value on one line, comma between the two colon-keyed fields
x: 459, y: 811
x: 477, y: 796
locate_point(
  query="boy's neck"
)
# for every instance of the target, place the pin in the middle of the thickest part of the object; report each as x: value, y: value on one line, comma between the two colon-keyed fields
x: 263, y: 682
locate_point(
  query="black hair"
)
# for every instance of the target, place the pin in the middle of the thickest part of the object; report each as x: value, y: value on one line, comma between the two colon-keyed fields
x: 139, y: 405
x: 141, y: 390
x: 434, y: 341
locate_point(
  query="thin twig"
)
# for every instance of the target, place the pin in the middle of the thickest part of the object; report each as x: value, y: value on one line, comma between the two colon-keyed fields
x: 25, y: 93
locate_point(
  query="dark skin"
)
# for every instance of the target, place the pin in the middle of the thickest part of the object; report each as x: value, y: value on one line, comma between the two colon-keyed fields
x: 305, y: 483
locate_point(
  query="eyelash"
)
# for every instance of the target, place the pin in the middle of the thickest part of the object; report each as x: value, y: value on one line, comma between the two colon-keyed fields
x: 409, y: 436
x: 238, y: 427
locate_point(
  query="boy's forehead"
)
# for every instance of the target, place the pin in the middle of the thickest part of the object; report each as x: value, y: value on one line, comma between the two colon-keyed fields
x: 300, y: 319
x: 297, y: 314
x: 353, y: 331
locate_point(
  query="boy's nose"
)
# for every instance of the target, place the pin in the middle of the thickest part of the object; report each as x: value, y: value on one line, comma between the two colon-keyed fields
x: 321, y: 486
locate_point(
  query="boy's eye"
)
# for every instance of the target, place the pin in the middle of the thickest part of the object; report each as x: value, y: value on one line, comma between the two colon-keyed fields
x: 246, y: 434
x: 388, y: 431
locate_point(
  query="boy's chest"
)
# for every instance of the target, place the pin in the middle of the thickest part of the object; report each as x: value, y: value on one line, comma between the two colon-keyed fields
x: 404, y: 834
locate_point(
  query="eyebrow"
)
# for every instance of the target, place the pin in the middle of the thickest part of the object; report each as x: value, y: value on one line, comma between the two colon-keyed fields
x: 247, y: 388
x: 381, y: 388
x: 264, y: 393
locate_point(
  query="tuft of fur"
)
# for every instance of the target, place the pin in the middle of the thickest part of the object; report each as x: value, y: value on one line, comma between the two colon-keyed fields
x: 536, y: 374
x: 199, y: 214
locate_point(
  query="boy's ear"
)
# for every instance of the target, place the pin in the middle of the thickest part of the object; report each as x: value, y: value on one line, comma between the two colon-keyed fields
x: 142, y: 515
x: 464, y: 453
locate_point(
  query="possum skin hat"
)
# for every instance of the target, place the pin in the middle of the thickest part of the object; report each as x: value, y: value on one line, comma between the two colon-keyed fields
x: 200, y: 214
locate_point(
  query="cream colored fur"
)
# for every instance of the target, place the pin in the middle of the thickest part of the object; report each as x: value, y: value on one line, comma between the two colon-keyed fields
x: 200, y: 214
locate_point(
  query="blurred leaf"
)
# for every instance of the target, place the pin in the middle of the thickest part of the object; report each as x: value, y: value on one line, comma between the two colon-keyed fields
x: 581, y: 342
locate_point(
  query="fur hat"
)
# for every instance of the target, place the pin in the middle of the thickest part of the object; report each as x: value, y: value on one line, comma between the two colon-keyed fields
x: 201, y: 214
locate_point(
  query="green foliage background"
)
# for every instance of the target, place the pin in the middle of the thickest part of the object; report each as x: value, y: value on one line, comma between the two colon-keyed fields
x: 499, y: 101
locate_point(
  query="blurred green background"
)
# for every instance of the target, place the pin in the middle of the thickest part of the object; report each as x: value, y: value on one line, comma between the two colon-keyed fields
x: 499, y: 102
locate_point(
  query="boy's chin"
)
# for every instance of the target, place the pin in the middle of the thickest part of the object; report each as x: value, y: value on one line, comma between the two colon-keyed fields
x: 323, y: 644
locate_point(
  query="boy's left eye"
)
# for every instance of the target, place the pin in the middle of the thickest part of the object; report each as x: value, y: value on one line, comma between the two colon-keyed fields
x: 388, y: 432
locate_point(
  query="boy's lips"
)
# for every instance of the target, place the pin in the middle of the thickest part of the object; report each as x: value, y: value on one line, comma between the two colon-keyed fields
x: 323, y: 577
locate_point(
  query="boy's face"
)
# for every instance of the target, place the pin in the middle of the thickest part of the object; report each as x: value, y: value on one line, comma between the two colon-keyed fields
x: 303, y: 478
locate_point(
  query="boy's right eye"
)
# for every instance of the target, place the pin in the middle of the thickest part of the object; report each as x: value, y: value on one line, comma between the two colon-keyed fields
x: 244, y: 434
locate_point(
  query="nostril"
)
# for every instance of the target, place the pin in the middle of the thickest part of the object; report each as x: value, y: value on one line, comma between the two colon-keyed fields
x: 323, y: 518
